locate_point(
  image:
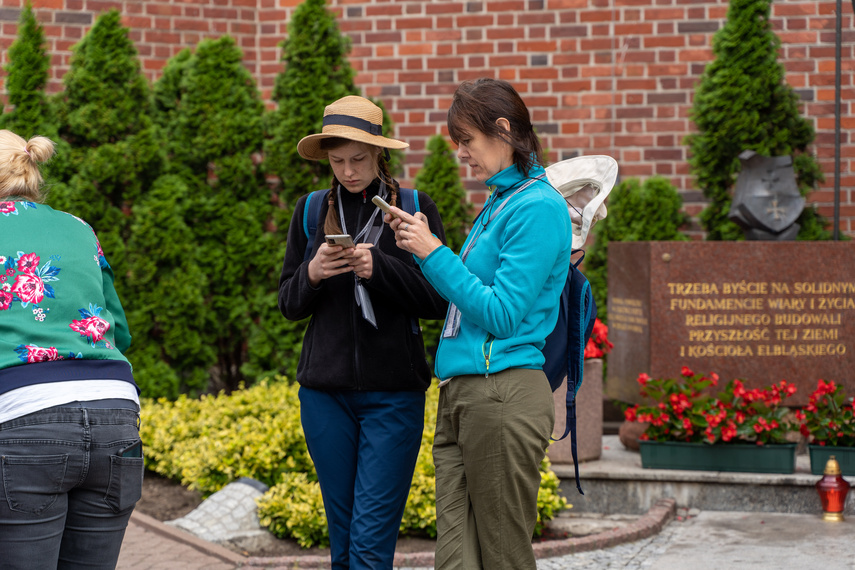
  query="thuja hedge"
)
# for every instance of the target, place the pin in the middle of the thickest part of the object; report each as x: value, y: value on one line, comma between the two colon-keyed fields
x: 209, y: 442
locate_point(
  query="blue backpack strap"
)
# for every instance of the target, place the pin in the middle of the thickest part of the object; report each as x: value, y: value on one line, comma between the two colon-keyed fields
x: 311, y: 213
x: 581, y: 309
x: 409, y: 200
x: 410, y: 204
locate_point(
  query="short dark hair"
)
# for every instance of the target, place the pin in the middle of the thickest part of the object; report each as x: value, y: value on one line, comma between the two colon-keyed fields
x: 480, y: 103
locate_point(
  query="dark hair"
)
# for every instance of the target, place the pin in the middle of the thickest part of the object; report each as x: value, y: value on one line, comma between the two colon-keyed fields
x: 480, y: 103
x: 331, y: 223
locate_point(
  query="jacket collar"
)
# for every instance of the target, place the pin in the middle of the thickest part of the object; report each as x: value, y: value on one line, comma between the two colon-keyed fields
x: 511, y: 177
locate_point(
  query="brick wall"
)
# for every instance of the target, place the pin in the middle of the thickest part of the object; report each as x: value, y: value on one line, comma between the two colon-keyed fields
x: 600, y: 76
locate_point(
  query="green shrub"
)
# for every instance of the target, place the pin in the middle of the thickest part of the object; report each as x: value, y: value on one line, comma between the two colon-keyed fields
x: 110, y: 152
x: 209, y: 442
x: 744, y: 103
x: 27, y: 76
x: 648, y: 211
x: 295, y: 509
x: 316, y: 73
x: 224, y: 254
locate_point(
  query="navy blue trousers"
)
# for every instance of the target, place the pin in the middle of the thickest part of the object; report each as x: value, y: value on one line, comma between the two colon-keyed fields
x: 364, y: 446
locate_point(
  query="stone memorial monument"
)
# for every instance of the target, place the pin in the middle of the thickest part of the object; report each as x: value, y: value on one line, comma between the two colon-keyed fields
x: 761, y: 311
x: 766, y: 200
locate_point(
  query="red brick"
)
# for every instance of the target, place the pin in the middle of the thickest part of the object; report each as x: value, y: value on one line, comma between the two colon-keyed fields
x: 475, y: 47
x: 546, y: 47
x: 508, y: 60
x: 413, y: 23
x: 384, y: 10
x: 223, y: 13
x: 474, y: 21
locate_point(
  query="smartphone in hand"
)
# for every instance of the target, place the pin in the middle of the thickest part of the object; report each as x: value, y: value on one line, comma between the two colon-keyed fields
x: 381, y: 203
x: 343, y: 240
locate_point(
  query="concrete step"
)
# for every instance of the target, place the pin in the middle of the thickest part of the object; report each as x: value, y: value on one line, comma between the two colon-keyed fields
x: 617, y: 484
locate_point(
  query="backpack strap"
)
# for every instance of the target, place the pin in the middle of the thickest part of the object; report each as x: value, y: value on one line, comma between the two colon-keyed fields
x: 409, y: 200
x: 311, y: 213
x: 576, y: 293
x: 410, y: 204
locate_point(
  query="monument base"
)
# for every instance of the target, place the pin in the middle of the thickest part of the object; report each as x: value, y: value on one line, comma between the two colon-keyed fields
x: 589, y: 418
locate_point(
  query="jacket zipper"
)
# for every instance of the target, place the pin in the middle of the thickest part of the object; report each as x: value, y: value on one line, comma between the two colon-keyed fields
x: 487, y: 351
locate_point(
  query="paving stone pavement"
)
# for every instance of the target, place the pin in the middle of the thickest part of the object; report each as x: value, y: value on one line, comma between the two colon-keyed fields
x: 151, y: 545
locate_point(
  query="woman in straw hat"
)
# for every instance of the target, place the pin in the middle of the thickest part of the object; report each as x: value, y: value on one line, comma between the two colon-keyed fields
x: 71, y: 461
x: 362, y: 370
x: 496, y: 410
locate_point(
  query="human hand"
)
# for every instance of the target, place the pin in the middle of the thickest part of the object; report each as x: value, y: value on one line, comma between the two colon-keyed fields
x: 362, y: 262
x: 331, y: 260
x: 412, y: 233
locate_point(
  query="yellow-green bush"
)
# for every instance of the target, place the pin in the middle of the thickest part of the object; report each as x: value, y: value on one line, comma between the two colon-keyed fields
x: 294, y: 508
x: 256, y: 432
x: 209, y: 442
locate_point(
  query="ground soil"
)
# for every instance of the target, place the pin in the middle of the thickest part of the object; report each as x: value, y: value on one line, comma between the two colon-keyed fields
x: 166, y: 500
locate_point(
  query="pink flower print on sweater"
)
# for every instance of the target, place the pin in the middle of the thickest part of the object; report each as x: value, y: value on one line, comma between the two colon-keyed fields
x: 28, y: 263
x: 91, y: 324
x: 30, y: 353
x: 29, y: 288
x: 6, y: 297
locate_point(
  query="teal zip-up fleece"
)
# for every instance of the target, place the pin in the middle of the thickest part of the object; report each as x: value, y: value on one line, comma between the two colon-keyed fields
x: 60, y: 316
x: 509, y: 286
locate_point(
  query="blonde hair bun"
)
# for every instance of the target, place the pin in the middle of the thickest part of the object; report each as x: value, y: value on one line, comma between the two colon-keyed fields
x: 19, y: 160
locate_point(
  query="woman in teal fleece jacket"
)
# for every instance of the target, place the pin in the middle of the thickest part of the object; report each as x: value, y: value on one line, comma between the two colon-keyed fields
x: 495, y: 413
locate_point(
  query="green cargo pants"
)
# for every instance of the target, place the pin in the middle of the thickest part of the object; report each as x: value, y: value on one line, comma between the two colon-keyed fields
x: 491, y: 435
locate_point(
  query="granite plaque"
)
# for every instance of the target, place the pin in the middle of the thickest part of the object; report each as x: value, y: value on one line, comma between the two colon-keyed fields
x: 759, y: 311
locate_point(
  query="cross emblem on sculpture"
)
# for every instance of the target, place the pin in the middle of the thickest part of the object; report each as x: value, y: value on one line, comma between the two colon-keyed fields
x: 776, y: 210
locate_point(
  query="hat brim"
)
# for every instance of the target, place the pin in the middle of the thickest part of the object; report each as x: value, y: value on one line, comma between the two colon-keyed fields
x: 574, y: 174
x: 309, y: 147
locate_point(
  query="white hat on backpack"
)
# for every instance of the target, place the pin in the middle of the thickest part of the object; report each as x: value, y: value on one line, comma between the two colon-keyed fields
x: 584, y: 182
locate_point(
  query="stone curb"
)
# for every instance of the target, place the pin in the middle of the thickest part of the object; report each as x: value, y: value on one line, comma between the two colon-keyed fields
x: 660, y: 514
x: 172, y: 533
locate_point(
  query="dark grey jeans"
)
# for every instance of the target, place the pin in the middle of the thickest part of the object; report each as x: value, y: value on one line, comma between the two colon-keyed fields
x: 66, y: 492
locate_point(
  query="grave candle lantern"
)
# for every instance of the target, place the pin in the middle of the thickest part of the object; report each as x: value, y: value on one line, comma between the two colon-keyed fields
x: 832, y: 489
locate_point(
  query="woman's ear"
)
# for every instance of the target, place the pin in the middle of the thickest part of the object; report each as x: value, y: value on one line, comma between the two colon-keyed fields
x: 504, y: 124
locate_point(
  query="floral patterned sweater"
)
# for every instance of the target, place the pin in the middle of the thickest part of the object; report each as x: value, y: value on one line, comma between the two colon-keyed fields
x: 60, y: 316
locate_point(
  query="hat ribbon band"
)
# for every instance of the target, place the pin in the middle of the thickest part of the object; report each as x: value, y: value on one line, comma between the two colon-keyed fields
x: 355, y: 122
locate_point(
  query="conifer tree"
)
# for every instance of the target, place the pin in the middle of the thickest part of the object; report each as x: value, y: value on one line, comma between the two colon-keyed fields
x: 648, y: 211
x: 108, y: 154
x: 27, y: 76
x: 316, y: 73
x: 114, y: 154
x: 211, y: 111
x: 743, y: 103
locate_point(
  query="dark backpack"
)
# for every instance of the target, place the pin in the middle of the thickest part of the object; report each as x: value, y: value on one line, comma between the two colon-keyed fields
x: 564, y: 350
x: 312, y: 211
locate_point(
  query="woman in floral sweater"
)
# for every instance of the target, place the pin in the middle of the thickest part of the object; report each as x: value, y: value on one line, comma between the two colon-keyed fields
x: 70, y: 453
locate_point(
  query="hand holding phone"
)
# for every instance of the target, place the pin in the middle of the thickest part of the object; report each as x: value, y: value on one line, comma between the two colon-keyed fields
x: 343, y: 240
x: 381, y: 203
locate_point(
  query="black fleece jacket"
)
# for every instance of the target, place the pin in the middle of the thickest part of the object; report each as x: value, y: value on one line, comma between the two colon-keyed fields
x: 341, y: 350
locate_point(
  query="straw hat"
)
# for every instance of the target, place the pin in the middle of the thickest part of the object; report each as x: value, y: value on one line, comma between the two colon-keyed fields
x: 353, y: 118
